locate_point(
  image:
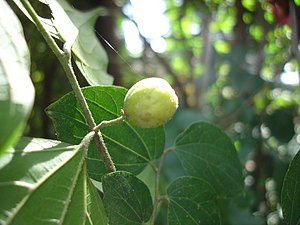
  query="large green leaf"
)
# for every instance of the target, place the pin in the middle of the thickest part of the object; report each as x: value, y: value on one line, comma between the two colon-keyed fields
x: 290, y: 195
x: 192, y: 202
x: 44, y: 182
x: 127, y: 200
x: 16, y: 90
x: 90, y: 56
x: 131, y: 148
x: 206, y: 152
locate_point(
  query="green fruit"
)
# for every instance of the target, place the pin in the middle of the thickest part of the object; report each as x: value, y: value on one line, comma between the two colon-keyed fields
x: 150, y: 103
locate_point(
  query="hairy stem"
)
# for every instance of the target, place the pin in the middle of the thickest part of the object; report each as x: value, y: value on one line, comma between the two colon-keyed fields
x: 64, y: 58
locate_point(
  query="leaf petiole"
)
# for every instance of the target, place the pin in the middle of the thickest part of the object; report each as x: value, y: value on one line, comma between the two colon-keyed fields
x: 107, y: 123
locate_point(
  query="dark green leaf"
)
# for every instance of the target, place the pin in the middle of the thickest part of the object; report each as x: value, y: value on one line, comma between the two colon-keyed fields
x: 206, y: 152
x: 127, y: 200
x: 290, y: 195
x: 131, y: 148
x: 192, y: 202
x: 44, y: 182
x: 16, y: 90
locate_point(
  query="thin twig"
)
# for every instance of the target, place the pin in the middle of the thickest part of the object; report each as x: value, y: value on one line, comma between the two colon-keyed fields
x: 157, y: 170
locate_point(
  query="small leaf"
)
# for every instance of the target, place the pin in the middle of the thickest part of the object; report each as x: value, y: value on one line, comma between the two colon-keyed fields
x: 206, y: 152
x: 127, y: 200
x: 290, y: 194
x: 105, y: 103
x: 90, y: 56
x: 44, y: 182
x: 76, y: 30
x: 192, y: 202
x: 60, y: 26
x: 16, y: 89
x: 67, y: 31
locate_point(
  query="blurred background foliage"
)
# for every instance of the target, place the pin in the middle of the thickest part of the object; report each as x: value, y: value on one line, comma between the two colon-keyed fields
x: 232, y: 62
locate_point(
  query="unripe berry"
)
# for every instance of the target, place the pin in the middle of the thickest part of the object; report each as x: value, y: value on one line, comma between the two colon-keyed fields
x: 150, y: 103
